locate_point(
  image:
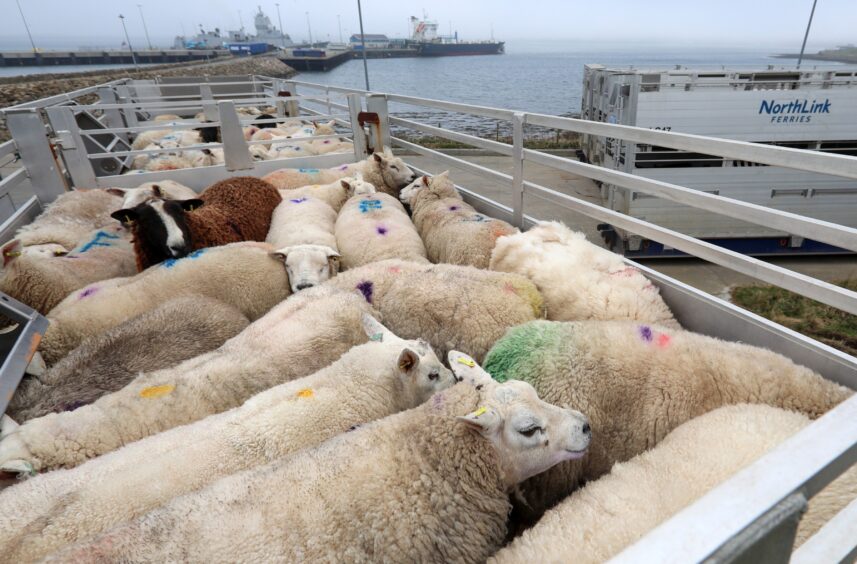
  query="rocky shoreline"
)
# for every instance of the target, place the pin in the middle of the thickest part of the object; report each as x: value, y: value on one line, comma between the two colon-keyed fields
x: 19, y: 89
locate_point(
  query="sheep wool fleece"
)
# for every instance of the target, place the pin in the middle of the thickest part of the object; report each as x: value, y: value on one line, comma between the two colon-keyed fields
x: 452, y: 307
x: 297, y: 338
x: 597, y: 522
x: 413, y: 487
x: 70, y: 219
x: 241, y: 274
x: 638, y: 382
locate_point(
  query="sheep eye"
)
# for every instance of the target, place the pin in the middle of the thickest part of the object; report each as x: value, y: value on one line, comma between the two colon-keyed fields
x: 394, y: 167
x: 433, y: 376
x: 530, y: 432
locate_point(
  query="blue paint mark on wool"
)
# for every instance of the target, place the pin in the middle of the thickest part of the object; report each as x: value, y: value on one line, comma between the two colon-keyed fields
x: 298, y: 200
x: 98, y: 241
x: 366, y: 205
x: 309, y: 170
x: 478, y: 218
x: 646, y: 333
x: 171, y: 262
x: 366, y: 288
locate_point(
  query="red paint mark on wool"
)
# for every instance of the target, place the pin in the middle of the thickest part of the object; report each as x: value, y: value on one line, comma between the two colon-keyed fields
x: 664, y: 340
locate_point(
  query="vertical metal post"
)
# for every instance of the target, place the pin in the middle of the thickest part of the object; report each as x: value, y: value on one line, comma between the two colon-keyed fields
x: 31, y: 138
x: 293, y: 107
x: 74, y: 152
x: 806, y: 35
x: 129, y: 113
x: 145, y: 28
x: 377, y: 103
x: 112, y: 117
x: 327, y: 97
x: 133, y: 57
x: 27, y: 27
x: 235, y: 151
x: 209, y: 106
x: 358, y: 134
x: 363, y: 44
x: 518, y: 169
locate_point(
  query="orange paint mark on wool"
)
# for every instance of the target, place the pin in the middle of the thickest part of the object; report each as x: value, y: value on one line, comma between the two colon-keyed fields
x: 306, y: 393
x: 153, y: 392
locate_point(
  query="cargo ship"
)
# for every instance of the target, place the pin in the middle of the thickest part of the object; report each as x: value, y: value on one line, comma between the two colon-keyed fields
x: 425, y: 39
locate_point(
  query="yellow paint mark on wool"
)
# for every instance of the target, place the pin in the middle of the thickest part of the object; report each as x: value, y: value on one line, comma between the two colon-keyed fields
x: 153, y: 392
x: 479, y: 412
x: 466, y: 362
x: 306, y: 393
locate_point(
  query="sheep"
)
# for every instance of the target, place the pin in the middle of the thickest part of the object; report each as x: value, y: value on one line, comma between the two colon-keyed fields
x: 146, y: 138
x: 637, y: 382
x: 376, y: 227
x: 450, y: 306
x: 387, y: 173
x: 453, y: 232
x: 308, y: 265
x: 70, y: 219
x: 297, y: 338
x: 430, y: 484
x: 597, y: 522
x: 165, y: 189
x: 42, y: 282
x: 232, y: 210
x: 580, y: 280
x: 370, y: 381
x: 106, y: 362
x: 241, y: 274
x: 334, y: 194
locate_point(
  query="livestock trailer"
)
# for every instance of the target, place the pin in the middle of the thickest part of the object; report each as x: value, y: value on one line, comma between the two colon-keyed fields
x: 751, y: 517
x: 814, y: 110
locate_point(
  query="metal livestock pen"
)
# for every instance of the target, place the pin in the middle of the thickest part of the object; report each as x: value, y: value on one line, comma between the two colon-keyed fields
x: 73, y: 140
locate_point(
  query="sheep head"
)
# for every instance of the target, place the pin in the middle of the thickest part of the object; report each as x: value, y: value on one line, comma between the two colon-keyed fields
x: 160, y: 227
x: 394, y: 171
x: 308, y: 265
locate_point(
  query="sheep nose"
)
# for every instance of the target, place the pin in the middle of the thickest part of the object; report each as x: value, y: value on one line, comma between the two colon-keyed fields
x: 304, y: 286
x: 585, y: 429
x: 177, y: 250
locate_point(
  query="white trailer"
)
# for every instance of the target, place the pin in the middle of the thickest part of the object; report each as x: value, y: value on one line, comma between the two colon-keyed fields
x: 813, y: 109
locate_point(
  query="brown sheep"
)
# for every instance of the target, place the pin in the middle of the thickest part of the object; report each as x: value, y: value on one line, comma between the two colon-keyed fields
x: 229, y: 211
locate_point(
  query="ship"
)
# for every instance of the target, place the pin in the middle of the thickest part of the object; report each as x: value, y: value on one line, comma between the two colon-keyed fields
x: 266, y: 34
x: 425, y: 39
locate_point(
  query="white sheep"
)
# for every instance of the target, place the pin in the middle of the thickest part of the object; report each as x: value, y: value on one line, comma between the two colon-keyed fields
x: 167, y: 189
x: 387, y: 173
x: 580, y: 280
x: 450, y: 306
x: 637, y: 382
x: 370, y: 381
x: 241, y: 274
x: 300, y: 336
x: 70, y: 220
x: 597, y: 522
x: 376, y: 227
x: 430, y: 484
x: 453, y: 232
x: 334, y: 194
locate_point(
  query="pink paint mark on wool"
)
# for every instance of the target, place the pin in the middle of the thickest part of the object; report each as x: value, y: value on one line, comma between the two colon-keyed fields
x: 394, y: 270
x: 510, y: 288
x: 88, y: 292
x: 664, y: 340
x: 625, y: 272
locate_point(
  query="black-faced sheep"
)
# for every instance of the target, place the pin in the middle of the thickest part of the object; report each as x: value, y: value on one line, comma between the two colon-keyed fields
x: 229, y: 211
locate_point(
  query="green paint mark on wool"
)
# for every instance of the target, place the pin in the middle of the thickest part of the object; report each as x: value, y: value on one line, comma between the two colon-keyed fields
x: 515, y: 355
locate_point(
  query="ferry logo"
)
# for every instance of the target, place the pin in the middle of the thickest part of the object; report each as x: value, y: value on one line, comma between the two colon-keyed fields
x: 797, y: 111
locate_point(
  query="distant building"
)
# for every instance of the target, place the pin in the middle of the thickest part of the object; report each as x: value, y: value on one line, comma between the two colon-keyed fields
x: 373, y: 41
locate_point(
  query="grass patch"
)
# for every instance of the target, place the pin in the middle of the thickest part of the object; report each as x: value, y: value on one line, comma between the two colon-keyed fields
x: 809, y: 317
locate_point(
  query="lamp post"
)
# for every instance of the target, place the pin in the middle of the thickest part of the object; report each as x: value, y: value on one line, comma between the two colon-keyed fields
x: 808, y: 24
x: 27, y: 27
x: 128, y: 39
x: 280, y: 21
x: 339, y: 23
x: 145, y: 28
x: 309, y: 29
x: 363, y: 43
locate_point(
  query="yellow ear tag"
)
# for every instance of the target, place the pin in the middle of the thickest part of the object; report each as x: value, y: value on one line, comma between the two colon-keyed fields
x: 157, y: 391
x: 479, y: 412
x: 306, y: 393
x: 466, y: 361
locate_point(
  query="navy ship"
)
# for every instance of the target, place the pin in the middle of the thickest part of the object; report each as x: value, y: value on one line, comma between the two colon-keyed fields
x: 425, y: 39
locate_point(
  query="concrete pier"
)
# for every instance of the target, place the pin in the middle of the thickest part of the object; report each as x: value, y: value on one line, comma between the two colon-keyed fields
x: 144, y: 57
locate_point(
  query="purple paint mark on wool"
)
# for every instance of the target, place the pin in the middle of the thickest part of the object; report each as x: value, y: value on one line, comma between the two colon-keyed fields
x: 343, y: 167
x: 326, y: 141
x: 88, y: 292
x: 298, y: 200
x: 381, y: 230
x: 366, y: 288
x: 646, y: 333
x: 453, y: 208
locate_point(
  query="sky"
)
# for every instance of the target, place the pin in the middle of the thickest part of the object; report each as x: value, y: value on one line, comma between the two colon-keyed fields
x: 733, y: 23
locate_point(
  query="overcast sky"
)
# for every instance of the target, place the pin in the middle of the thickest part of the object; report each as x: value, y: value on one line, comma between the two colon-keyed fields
x: 739, y: 23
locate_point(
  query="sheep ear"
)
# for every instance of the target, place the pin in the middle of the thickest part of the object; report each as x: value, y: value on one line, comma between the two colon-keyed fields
x: 347, y: 186
x: 378, y: 157
x: 374, y: 329
x: 116, y: 191
x: 426, y: 180
x: 156, y: 190
x: 280, y: 254
x: 444, y: 175
x: 331, y: 123
x: 467, y: 370
x: 126, y: 216
x: 11, y: 251
x: 192, y: 204
x: 333, y: 261
x: 409, y: 361
x: 484, y: 420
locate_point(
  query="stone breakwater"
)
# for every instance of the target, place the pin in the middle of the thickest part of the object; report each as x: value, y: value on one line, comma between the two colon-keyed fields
x: 20, y: 89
